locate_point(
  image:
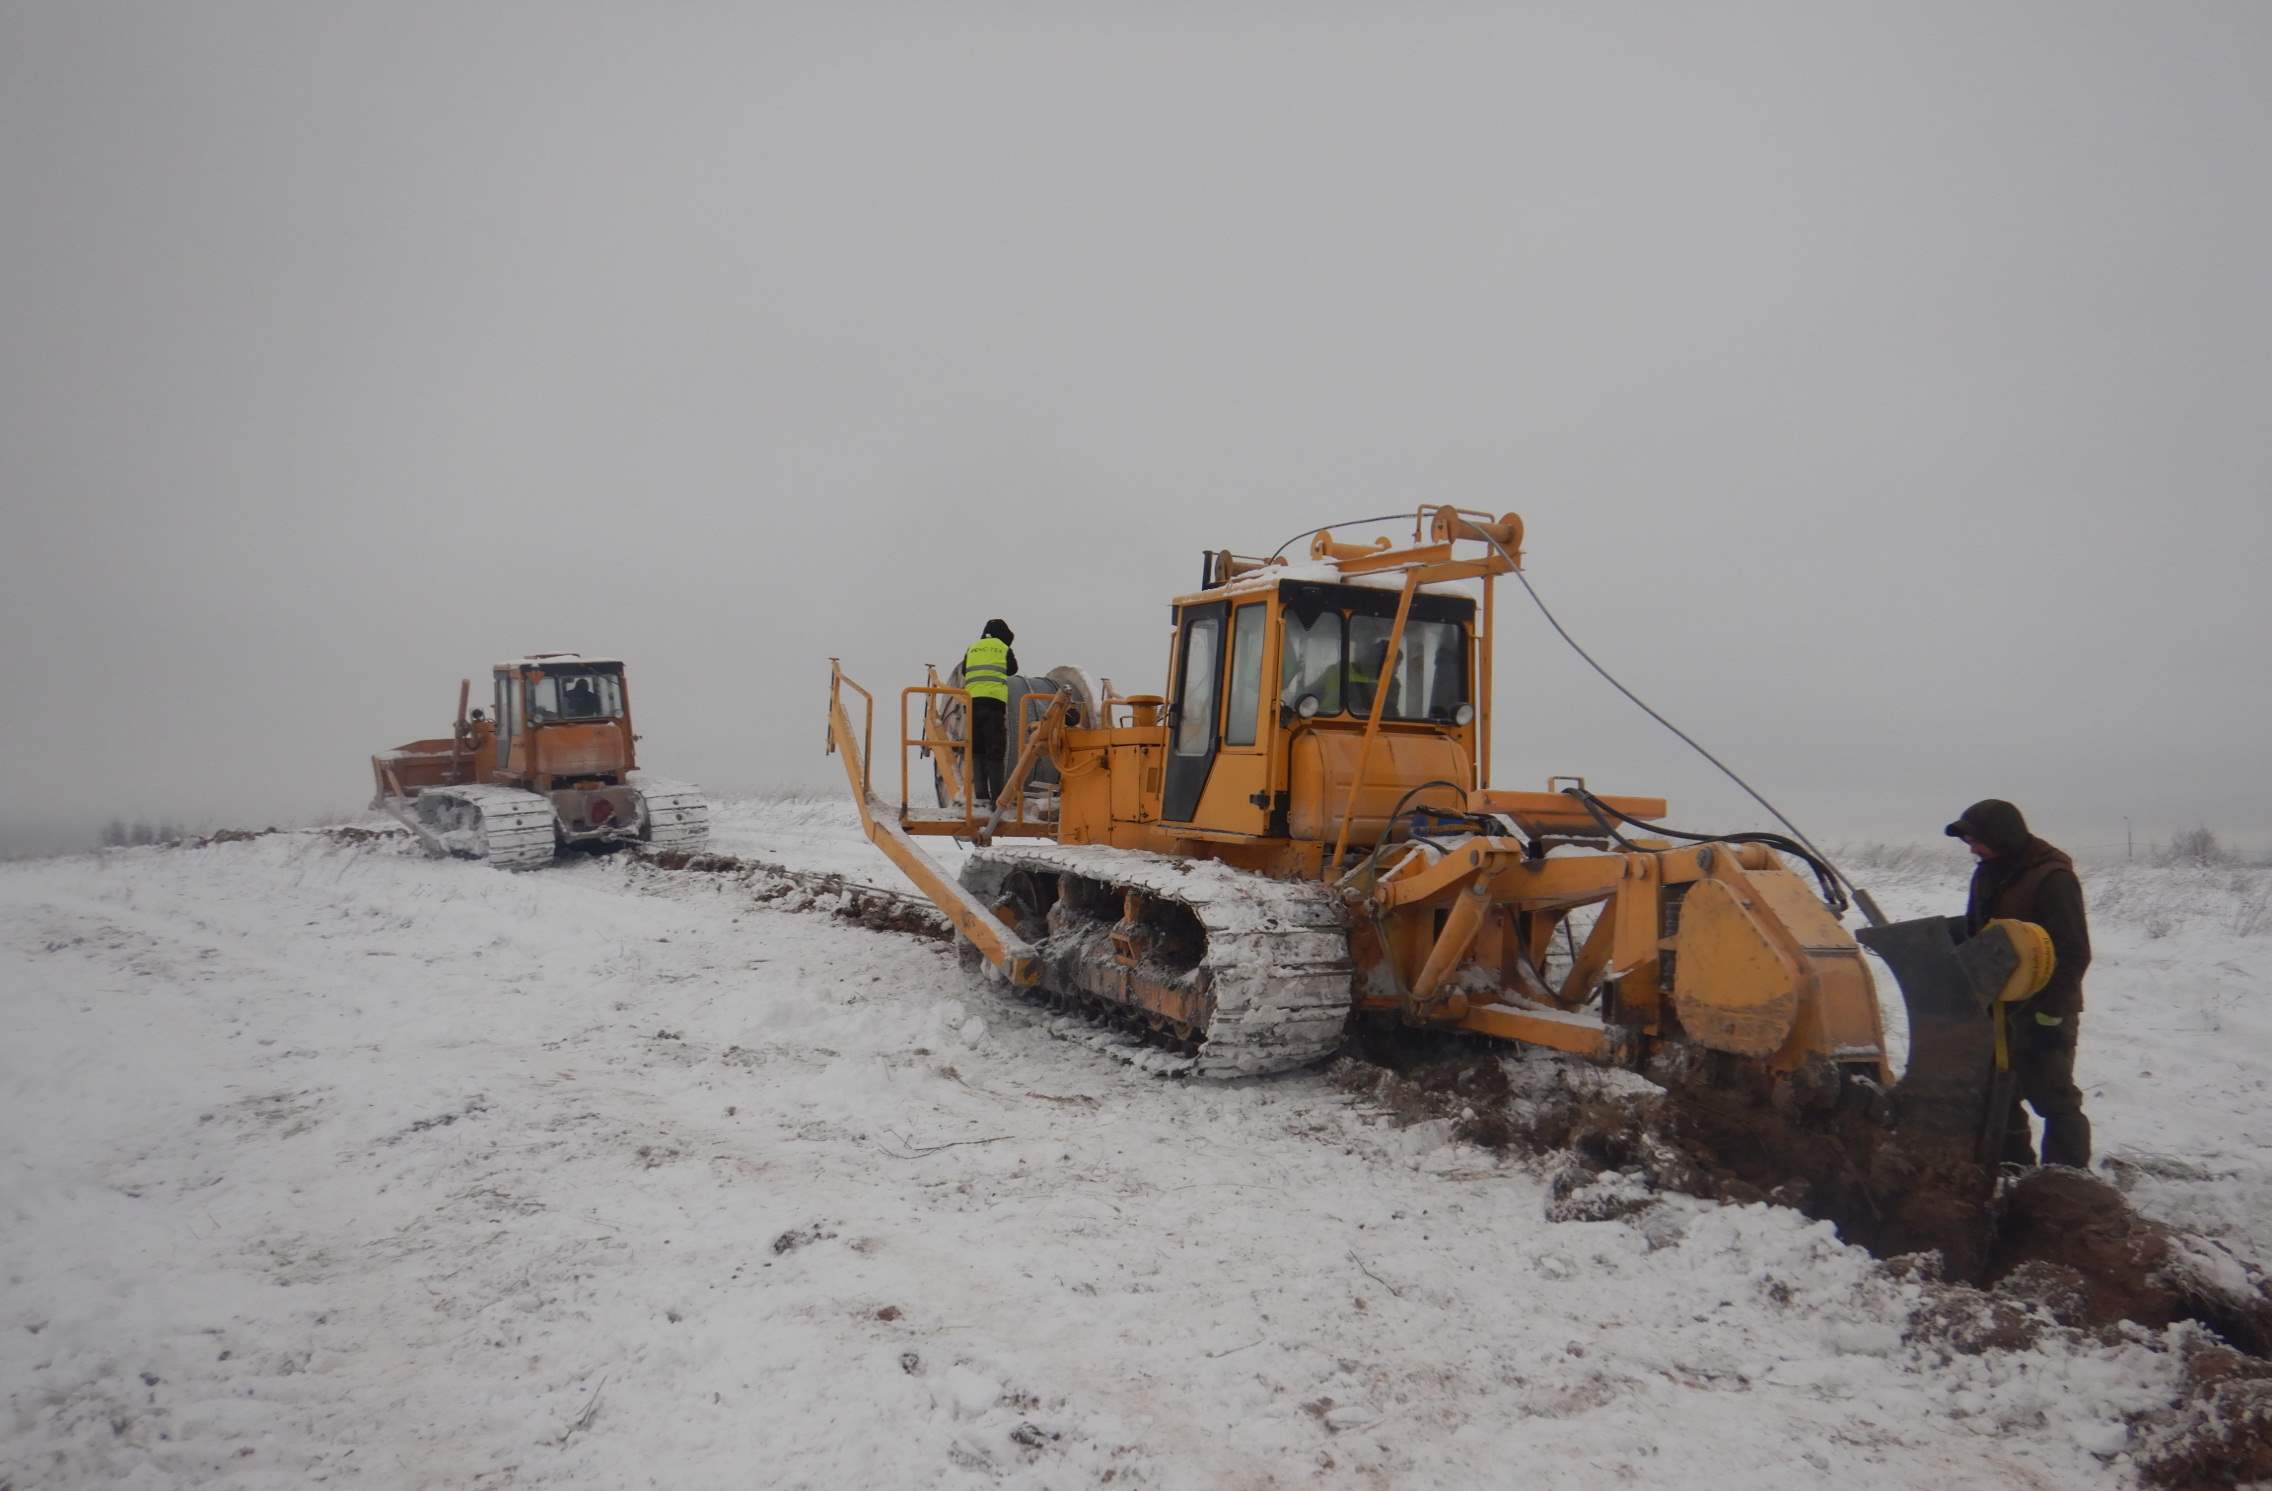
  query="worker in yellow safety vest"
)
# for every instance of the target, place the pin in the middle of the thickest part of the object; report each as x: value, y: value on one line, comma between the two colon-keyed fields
x: 986, y: 668
x: 1367, y: 659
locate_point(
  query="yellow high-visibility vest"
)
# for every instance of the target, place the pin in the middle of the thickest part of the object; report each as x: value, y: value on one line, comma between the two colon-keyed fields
x: 986, y: 669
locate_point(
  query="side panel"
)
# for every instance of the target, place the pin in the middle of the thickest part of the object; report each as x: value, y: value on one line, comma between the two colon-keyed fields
x: 1085, y: 807
x: 1136, y: 778
x: 1112, y: 781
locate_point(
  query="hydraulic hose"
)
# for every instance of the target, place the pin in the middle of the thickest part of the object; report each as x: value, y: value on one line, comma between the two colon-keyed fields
x: 1823, y: 874
x: 1388, y: 826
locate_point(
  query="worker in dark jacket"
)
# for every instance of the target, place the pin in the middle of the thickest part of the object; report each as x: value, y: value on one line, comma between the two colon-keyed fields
x: 2022, y: 877
x: 986, y: 669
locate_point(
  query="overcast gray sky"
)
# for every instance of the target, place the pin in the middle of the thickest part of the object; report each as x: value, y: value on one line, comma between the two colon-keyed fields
x: 1885, y: 387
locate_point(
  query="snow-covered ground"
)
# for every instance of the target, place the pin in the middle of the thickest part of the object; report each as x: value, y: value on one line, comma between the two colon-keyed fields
x: 325, y: 1163
x: 817, y: 833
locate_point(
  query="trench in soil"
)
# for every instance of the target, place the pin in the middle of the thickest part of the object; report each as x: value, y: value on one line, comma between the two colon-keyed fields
x: 2004, y: 1264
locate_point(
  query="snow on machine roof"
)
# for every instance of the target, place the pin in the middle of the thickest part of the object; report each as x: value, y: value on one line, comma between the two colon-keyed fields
x: 550, y: 660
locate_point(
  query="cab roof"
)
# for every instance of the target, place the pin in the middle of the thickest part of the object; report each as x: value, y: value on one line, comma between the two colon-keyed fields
x: 549, y: 660
x: 1320, y: 572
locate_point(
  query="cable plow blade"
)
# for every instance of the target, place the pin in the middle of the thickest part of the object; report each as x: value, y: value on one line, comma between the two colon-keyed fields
x: 1955, y: 1091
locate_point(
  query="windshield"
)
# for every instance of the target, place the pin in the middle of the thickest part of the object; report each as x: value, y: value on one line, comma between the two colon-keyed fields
x: 1310, y: 661
x: 1426, y: 683
x: 1339, y: 661
x: 576, y: 696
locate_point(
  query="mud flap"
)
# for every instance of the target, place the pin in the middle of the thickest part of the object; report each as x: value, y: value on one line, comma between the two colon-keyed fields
x: 1951, y: 1098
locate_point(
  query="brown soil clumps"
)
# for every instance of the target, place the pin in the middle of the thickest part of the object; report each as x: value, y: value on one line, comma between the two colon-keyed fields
x: 2068, y: 1243
x: 1706, y: 1135
x: 2221, y: 1433
x: 796, y: 890
x: 1843, y: 1166
x: 2057, y: 1247
x: 2058, y: 1253
x: 346, y: 833
x: 888, y: 913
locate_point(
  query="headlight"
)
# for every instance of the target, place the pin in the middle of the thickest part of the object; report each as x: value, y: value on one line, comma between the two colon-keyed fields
x: 1463, y: 714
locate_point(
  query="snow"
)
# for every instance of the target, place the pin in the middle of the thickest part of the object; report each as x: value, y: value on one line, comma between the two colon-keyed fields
x: 820, y: 834
x: 1323, y: 572
x: 328, y: 1163
x: 555, y: 660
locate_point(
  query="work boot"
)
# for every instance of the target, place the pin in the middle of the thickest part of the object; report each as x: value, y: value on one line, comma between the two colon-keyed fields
x: 2067, y: 1141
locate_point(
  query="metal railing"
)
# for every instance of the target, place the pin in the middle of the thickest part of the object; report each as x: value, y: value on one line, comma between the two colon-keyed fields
x: 955, y: 751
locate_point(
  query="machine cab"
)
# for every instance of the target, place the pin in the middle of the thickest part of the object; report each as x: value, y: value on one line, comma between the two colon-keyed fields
x: 1274, y: 678
x: 562, y: 719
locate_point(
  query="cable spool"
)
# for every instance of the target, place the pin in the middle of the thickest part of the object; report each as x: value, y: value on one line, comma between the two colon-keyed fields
x: 2037, y: 960
x: 1324, y: 547
x: 952, y: 718
x: 1449, y: 524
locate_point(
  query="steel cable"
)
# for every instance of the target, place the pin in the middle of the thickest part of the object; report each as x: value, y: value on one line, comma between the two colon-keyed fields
x: 1861, y: 897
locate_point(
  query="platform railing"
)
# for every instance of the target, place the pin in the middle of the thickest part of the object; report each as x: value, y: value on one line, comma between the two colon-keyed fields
x: 994, y: 939
x: 940, y: 744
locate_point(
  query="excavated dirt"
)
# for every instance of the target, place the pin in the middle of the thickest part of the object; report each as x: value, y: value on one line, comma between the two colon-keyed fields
x: 2058, y: 1244
x: 1844, y: 1167
x: 2220, y: 1434
x: 2068, y: 1243
x: 2054, y: 1252
x: 797, y: 890
x: 344, y: 833
x: 1697, y: 1137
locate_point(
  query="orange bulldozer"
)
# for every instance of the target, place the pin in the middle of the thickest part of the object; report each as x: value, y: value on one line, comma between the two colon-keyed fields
x: 555, y: 768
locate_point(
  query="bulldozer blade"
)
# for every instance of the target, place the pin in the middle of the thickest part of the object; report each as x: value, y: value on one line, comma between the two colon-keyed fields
x: 1948, y: 1098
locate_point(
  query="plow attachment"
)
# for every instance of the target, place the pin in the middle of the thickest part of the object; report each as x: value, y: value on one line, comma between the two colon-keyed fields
x: 1957, y: 1090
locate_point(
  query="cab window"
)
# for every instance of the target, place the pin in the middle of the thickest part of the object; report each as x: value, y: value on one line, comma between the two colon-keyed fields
x: 1246, y: 675
x: 1309, y: 661
x: 1195, y: 724
x: 577, y: 696
x: 1428, y: 678
x: 508, y: 713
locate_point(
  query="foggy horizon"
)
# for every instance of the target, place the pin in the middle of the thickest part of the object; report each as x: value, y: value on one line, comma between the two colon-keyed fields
x: 1883, y: 391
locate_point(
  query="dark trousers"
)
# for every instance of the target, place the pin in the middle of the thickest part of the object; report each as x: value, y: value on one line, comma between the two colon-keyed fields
x: 987, y: 748
x: 2043, y: 1064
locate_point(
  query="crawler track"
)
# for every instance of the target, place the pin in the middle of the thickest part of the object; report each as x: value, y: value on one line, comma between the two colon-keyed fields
x: 1237, y: 974
x: 678, y: 816
x: 505, y: 826
x: 1278, y: 950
